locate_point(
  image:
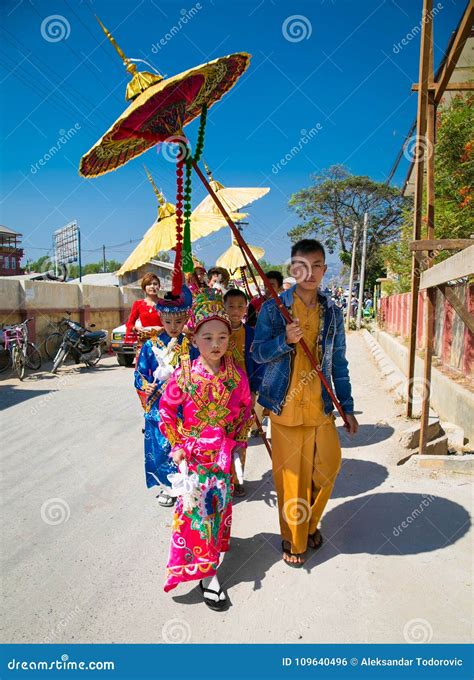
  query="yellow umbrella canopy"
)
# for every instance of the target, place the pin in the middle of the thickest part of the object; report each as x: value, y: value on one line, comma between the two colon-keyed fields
x: 233, y: 198
x: 161, y: 236
x: 233, y: 258
x: 160, y: 108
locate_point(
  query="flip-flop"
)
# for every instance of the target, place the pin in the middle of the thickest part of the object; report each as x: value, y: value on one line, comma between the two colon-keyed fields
x: 216, y: 605
x: 294, y: 565
x: 166, y: 500
x: 317, y: 540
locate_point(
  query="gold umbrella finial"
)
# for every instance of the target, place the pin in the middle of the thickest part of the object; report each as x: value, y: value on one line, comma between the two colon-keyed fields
x: 208, y: 170
x: 141, y: 80
x: 130, y: 66
x: 158, y: 193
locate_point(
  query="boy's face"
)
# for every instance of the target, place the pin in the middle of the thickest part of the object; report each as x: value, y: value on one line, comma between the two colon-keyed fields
x: 274, y: 285
x: 174, y: 323
x: 215, y: 278
x: 212, y: 340
x: 236, y: 308
x: 308, y: 269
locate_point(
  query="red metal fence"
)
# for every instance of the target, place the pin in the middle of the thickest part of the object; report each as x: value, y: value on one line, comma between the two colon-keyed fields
x: 453, y: 342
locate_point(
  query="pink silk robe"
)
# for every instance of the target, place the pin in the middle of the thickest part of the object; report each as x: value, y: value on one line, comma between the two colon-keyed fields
x: 216, y: 419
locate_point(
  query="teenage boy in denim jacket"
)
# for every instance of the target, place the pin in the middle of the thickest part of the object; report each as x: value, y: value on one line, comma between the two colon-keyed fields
x: 305, y: 445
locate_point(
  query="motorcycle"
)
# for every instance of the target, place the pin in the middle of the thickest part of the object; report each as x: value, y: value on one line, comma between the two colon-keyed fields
x: 83, y: 344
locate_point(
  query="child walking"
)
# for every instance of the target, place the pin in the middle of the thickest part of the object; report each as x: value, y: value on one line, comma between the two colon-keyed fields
x: 306, y: 453
x: 214, y: 396
x: 158, y: 358
x: 235, y: 304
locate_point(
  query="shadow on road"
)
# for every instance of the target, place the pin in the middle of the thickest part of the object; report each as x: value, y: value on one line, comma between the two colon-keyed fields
x: 11, y: 395
x: 390, y: 524
x: 366, y: 435
x: 358, y: 476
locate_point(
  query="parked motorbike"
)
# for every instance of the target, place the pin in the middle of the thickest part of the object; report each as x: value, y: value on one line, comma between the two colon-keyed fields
x: 83, y: 344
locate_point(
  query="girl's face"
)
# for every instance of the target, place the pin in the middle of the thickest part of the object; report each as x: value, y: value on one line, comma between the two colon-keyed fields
x: 200, y: 274
x: 152, y: 288
x: 173, y: 323
x: 212, y: 340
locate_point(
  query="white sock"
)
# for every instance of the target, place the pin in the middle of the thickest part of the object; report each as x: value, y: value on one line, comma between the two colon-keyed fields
x: 213, y: 583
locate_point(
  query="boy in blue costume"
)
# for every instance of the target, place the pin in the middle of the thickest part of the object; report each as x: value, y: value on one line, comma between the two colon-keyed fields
x: 159, y: 357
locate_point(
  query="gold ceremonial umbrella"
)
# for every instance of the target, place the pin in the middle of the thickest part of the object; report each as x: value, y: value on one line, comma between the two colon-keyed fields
x: 232, y: 198
x: 233, y: 258
x: 161, y: 235
x: 160, y: 108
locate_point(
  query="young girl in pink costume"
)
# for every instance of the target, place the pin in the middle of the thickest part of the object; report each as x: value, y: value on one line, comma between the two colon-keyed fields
x: 214, y: 396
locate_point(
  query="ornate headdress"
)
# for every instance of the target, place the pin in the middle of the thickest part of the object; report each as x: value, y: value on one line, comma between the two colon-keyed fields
x: 209, y: 305
x: 172, y: 304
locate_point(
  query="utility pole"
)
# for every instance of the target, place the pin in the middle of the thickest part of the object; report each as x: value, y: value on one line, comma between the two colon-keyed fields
x: 362, y: 272
x: 104, y: 262
x: 351, y: 278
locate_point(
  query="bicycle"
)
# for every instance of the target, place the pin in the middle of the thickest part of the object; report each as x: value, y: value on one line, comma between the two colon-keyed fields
x: 54, y: 340
x: 18, y: 353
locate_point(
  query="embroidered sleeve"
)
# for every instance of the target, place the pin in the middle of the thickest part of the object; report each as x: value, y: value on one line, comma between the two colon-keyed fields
x: 244, y: 420
x: 172, y: 398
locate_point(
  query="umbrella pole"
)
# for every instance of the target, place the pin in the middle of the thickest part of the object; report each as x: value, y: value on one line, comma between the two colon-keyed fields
x: 284, y: 311
x: 243, y: 276
x: 262, y: 434
x: 247, y: 264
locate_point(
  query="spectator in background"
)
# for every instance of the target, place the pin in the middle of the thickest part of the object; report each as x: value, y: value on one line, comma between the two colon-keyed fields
x: 144, y: 317
x: 275, y: 279
x: 218, y: 278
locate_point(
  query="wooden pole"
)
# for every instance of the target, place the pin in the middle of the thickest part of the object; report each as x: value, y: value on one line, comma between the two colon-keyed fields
x: 351, y: 278
x: 262, y: 434
x: 362, y: 272
x: 430, y: 292
x: 284, y: 311
x: 419, y: 151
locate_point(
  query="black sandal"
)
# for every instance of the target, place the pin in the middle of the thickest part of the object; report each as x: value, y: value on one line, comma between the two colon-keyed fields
x: 165, y: 500
x: 317, y: 540
x: 216, y: 605
x: 295, y: 565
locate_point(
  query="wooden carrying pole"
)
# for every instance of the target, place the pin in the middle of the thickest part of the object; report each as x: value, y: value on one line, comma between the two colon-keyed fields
x: 419, y: 150
x: 284, y: 311
x: 430, y: 292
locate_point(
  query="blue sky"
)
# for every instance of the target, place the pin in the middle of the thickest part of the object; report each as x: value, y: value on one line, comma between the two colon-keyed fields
x: 325, y: 65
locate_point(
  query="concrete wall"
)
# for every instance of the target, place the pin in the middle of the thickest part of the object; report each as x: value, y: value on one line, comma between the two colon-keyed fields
x: 453, y: 342
x: 47, y: 301
x: 451, y: 401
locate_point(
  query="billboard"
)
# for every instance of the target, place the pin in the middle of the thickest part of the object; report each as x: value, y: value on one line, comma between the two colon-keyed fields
x: 66, y: 242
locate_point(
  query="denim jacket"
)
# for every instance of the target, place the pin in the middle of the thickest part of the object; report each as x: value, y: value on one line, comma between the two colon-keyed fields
x: 270, y: 348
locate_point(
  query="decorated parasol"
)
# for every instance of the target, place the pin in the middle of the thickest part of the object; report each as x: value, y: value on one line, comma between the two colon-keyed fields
x: 161, y: 236
x: 233, y: 257
x: 159, y: 111
x: 160, y: 108
x: 232, y: 198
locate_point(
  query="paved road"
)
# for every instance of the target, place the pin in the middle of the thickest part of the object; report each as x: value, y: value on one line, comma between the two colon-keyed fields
x: 84, y: 543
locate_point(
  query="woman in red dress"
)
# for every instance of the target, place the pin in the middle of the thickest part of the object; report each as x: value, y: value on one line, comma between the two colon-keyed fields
x: 144, y: 317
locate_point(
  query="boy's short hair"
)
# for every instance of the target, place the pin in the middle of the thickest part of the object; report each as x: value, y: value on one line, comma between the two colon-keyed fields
x: 307, y: 246
x: 274, y: 274
x: 233, y: 293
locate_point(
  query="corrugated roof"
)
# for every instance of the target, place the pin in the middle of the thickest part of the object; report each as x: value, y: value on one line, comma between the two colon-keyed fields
x: 6, y: 230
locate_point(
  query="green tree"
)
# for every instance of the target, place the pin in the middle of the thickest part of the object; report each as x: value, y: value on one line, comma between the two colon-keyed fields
x: 454, y: 179
x: 336, y: 202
